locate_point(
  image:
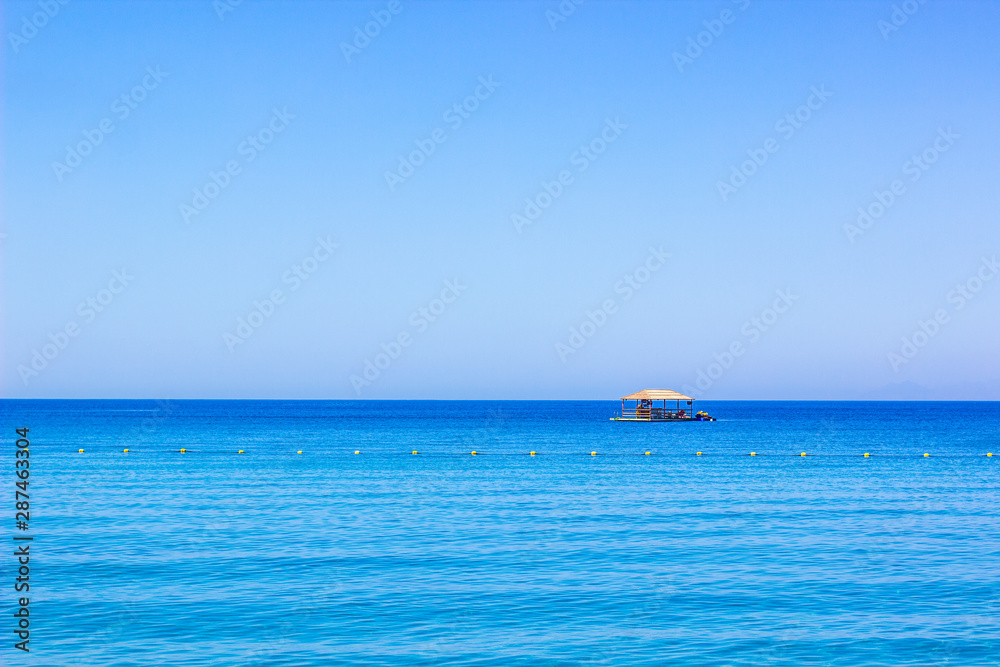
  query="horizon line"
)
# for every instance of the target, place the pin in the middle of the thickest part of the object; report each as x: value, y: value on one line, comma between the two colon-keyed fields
x: 579, y: 400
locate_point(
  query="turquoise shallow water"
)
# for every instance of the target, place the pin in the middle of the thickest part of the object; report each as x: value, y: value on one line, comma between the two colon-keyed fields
x: 327, y: 557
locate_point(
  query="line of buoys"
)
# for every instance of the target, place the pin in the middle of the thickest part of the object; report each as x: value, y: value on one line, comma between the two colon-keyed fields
x: 532, y: 453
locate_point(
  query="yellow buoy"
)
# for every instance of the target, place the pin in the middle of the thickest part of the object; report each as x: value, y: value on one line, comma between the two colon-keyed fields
x: 593, y: 453
x: 240, y: 452
x: 802, y: 454
x: 357, y: 451
x: 989, y: 453
x: 647, y: 453
x: 531, y: 453
x: 697, y: 453
x: 125, y: 450
x: 183, y: 450
x: 473, y: 453
x: 926, y: 454
x: 753, y: 453
x: 415, y: 451
x: 80, y: 450
x: 299, y: 452
x: 866, y: 454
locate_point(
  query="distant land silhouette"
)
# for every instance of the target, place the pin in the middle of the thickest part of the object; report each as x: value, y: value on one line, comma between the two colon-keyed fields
x: 911, y: 391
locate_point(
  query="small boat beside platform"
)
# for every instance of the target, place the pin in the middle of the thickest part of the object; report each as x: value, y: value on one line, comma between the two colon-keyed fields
x: 646, y: 411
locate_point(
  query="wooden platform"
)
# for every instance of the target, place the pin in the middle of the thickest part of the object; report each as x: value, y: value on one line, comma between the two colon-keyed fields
x: 661, y: 419
x: 645, y: 410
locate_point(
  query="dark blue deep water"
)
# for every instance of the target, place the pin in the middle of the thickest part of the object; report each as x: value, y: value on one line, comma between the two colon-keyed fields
x: 384, y: 557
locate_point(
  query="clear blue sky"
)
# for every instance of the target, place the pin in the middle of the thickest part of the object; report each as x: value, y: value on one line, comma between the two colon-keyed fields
x: 664, y: 128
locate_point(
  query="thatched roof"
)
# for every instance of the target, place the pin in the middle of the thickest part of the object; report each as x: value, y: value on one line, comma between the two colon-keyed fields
x: 657, y: 395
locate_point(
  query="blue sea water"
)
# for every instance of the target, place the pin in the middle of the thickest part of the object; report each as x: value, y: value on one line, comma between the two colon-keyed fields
x: 385, y: 557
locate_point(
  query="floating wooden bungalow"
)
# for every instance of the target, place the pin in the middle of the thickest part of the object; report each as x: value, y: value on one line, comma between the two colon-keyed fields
x: 646, y: 410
